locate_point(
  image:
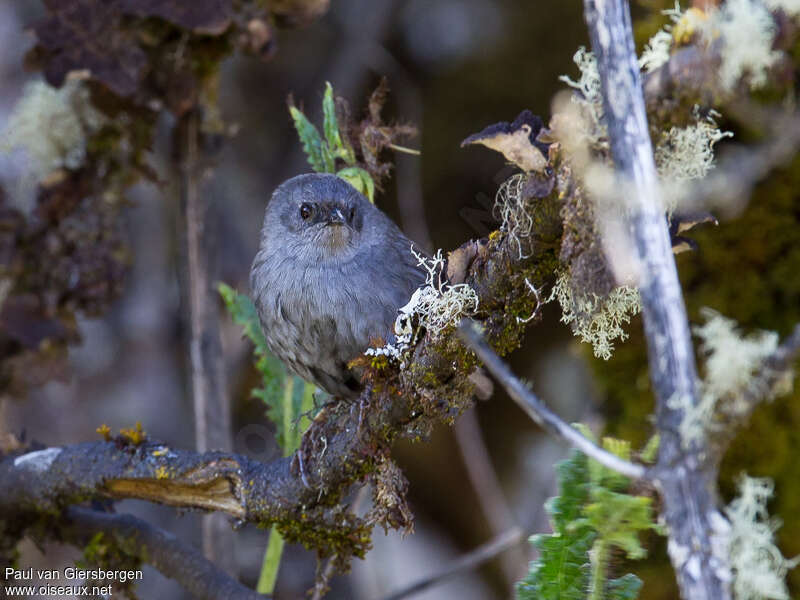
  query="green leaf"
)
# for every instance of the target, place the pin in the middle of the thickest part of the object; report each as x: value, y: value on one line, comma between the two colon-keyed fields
x: 618, y: 518
x: 244, y: 314
x: 273, y: 375
x: 330, y: 123
x: 562, y: 570
x: 624, y: 588
x: 337, y: 142
x: 316, y: 151
x: 359, y: 179
x: 591, y: 514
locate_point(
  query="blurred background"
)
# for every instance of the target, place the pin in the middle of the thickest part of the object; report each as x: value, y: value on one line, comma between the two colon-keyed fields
x: 453, y: 66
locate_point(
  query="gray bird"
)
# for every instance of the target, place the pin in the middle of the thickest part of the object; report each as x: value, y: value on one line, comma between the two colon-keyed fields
x: 330, y: 273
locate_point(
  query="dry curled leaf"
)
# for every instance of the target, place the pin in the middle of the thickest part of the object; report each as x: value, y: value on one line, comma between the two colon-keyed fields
x: 516, y: 141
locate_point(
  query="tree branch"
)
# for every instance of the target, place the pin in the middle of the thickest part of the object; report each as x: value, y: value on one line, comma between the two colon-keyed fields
x: 467, y: 562
x: 687, y: 481
x: 542, y: 415
x: 196, y: 574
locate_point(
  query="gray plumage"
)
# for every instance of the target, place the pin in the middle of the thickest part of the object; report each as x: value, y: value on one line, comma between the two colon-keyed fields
x: 330, y: 273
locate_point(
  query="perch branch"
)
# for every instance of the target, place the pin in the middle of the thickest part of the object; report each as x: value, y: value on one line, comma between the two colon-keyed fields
x: 159, y: 548
x: 542, y: 415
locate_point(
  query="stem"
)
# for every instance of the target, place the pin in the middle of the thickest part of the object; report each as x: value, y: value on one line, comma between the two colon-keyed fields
x: 209, y: 388
x: 599, y: 562
x: 288, y: 414
x: 271, y: 564
x: 398, y: 148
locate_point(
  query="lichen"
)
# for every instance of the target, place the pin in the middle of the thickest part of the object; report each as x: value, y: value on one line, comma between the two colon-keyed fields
x: 511, y: 210
x: 434, y: 307
x: 759, y: 568
x: 590, y: 100
x: 656, y: 51
x: 748, y: 31
x: 598, y: 320
x: 51, y: 126
x: 735, y: 376
x: 687, y: 153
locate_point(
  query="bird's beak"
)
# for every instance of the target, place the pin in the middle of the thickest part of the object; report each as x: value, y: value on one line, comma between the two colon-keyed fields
x: 336, y: 216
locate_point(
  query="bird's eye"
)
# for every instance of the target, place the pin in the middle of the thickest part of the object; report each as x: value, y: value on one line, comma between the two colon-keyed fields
x: 306, y: 210
x: 352, y: 214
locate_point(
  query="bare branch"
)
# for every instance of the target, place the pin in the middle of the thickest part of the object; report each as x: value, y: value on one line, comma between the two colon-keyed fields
x: 686, y: 478
x: 467, y: 562
x: 199, y: 576
x: 537, y: 411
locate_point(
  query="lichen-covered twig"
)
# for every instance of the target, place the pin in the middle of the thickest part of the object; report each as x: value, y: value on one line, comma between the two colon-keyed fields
x: 196, y: 574
x: 686, y: 480
x: 537, y: 411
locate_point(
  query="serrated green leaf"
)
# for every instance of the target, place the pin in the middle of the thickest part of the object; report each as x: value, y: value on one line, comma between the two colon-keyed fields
x: 587, y: 515
x: 618, y: 518
x: 359, y: 179
x: 624, y: 588
x: 311, y: 141
x: 244, y: 314
x: 562, y: 570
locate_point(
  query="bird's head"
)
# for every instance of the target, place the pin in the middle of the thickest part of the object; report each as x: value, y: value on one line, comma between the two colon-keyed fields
x: 317, y: 217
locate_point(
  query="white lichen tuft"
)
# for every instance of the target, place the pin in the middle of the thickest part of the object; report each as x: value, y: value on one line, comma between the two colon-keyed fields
x: 759, y: 568
x: 790, y: 7
x: 733, y: 362
x: 735, y: 376
x: 748, y: 31
x: 433, y: 307
x: 687, y: 153
x: 656, y: 51
x: 598, y: 320
x: 590, y: 99
x: 510, y: 210
x: 52, y: 125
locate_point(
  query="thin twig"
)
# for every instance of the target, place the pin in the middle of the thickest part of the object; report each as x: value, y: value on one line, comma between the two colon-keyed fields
x: 484, y: 480
x: 467, y: 562
x: 537, y: 411
x: 159, y: 548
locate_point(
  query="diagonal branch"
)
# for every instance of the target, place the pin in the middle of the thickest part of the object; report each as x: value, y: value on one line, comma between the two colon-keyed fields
x: 154, y: 546
x: 467, y: 562
x: 537, y: 410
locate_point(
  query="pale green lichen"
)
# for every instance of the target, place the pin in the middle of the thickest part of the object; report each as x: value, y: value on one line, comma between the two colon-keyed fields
x: 687, y: 153
x: 597, y: 320
x: 748, y: 31
x: 51, y: 125
x: 590, y: 99
x: 735, y: 376
x: 759, y: 568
